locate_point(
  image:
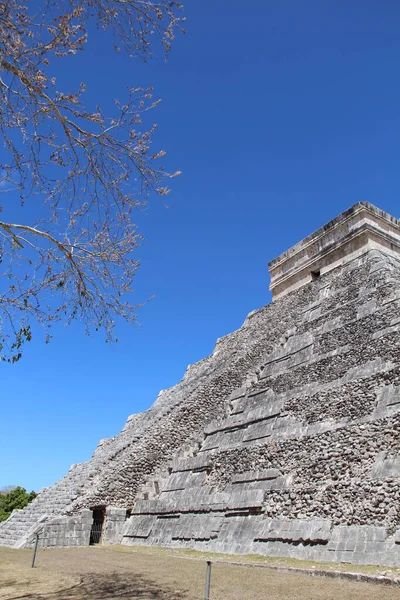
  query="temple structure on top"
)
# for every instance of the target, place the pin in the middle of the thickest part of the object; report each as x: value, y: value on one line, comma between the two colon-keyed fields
x: 355, y: 231
x: 284, y: 441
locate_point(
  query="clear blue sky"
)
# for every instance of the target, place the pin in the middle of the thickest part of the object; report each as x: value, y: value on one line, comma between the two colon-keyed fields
x: 280, y: 115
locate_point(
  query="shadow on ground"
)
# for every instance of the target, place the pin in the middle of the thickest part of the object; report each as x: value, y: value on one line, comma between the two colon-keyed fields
x: 108, y: 587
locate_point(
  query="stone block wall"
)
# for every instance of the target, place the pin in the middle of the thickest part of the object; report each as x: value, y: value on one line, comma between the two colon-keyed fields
x: 114, y: 525
x: 67, y: 531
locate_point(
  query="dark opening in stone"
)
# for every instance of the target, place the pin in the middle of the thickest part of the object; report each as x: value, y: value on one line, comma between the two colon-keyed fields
x: 315, y: 275
x: 99, y: 515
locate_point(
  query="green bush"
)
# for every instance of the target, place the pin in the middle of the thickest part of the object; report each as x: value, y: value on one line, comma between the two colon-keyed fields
x: 15, y: 499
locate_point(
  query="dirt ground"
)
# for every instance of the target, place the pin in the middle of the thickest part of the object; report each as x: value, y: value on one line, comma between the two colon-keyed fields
x: 105, y: 573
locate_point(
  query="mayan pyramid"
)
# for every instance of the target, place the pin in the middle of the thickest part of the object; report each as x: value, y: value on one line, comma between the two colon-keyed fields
x: 284, y: 442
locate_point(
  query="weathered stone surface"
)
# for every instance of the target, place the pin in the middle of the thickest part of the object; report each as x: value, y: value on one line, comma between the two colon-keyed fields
x: 285, y: 441
x: 250, y: 476
x: 138, y: 526
x: 315, y: 531
x: 60, y: 531
x: 385, y: 467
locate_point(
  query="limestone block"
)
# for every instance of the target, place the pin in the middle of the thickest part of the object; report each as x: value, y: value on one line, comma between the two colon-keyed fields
x: 368, y: 369
x: 295, y: 344
x: 238, y: 530
x: 115, y: 514
x: 388, y: 395
x: 58, y: 521
x: 347, y: 538
x: 385, y: 331
x: 297, y: 349
x: 150, y: 507
x: 375, y: 548
x: 230, y: 423
x: 240, y: 407
x: 283, y: 365
x: 319, y: 428
x: 258, y: 431
x: 237, y: 394
x: 385, y: 466
x: 268, y: 411
x: 231, y: 438
x: 139, y: 526
x: 199, y: 527
x: 366, y: 309
x: 329, y: 325
x: 177, y: 481
x: 281, y: 483
x: 291, y: 424
x: 163, y: 530
x: 245, y: 499
x: 256, y: 475
x: 312, y: 313
x: 262, y: 396
x: 215, y: 426
x: 294, y: 531
x: 196, y: 463
x: 264, y: 412
x: 212, y: 442
x: 86, y: 515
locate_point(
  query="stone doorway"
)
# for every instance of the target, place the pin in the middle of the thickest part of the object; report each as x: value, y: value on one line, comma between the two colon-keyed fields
x: 96, y: 533
x: 315, y: 275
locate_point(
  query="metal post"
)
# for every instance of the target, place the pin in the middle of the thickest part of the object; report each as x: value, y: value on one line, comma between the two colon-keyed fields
x: 208, y: 581
x: 35, y: 549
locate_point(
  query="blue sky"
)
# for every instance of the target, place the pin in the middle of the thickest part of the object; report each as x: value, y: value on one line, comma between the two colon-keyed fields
x: 280, y: 115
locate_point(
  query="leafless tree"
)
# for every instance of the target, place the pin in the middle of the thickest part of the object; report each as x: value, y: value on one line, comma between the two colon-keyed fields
x: 84, y: 172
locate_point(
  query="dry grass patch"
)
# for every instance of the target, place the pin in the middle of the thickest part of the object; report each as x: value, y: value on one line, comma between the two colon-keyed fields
x: 18, y: 580
x: 259, y: 559
x: 105, y: 573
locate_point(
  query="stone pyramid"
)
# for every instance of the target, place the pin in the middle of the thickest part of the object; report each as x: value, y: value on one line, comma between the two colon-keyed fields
x: 284, y: 442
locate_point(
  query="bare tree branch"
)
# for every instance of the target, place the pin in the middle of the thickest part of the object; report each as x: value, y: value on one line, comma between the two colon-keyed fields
x: 84, y: 171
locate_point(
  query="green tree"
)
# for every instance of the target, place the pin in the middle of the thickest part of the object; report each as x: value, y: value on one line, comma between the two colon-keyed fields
x: 15, y: 499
